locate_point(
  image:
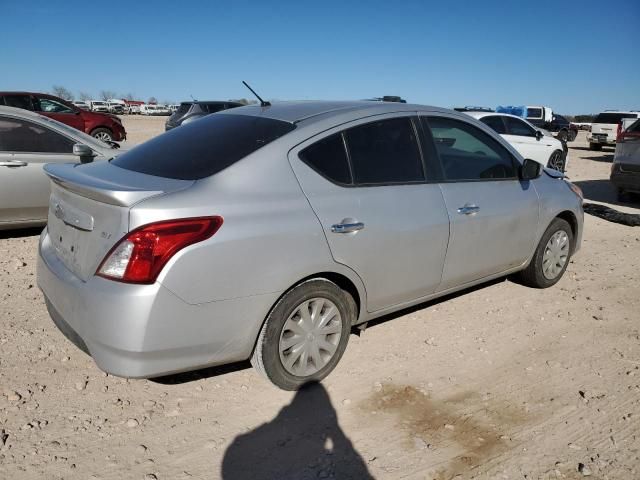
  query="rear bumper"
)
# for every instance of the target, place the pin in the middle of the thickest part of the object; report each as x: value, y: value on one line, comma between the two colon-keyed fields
x: 624, y: 179
x: 143, y: 331
x: 608, y: 140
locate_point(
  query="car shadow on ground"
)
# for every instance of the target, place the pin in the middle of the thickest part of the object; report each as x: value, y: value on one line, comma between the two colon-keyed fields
x: 20, y: 233
x: 303, y: 442
x: 604, y: 191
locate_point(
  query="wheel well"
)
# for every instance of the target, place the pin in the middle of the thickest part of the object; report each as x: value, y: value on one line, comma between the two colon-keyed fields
x: 570, y: 218
x: 343, y: 282
x: 101, y: 127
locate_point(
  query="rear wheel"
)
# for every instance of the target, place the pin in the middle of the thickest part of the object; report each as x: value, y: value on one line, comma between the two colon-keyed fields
x: 103, y: 134
x: 552, y: 256
x: 556, y: 161
x: 305, y: 334
x: 595, y: 146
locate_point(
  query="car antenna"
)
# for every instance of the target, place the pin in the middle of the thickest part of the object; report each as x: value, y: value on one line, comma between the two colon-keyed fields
x: 262, y: 102
x: 192, y: 98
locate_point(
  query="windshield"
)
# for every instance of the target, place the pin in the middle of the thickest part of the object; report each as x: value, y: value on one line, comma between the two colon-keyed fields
x: 203, y: 148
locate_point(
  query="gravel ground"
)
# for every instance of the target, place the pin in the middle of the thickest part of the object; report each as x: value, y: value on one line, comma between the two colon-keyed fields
x: 500, y: 381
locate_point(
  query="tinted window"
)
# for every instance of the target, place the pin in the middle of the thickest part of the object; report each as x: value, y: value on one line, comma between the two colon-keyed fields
x: 467, y: 153
x: 495, y: 123
x: 634, y: 127
x: 203, y: 148
x: 534, y: 113
x: 516, y: 126
x: 22, y: 136
x: 212, y: 107
x: 183, y: 109
x: 329, y: 158
x: 385, y: 152
x: 609, y: 117
x: 18, y: 101
x: 51, y: 106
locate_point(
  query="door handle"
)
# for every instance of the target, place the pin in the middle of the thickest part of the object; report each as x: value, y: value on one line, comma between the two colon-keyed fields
x: 347, y: 227
x: 13, y: 163
x: 469, y: 209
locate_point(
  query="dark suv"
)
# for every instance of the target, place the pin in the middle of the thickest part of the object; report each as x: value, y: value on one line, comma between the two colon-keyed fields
x: 190, y: 111
x: 102, y: 126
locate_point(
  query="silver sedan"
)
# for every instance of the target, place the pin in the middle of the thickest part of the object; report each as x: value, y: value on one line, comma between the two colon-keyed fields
x: 27, y: 142
x: 269, y: 232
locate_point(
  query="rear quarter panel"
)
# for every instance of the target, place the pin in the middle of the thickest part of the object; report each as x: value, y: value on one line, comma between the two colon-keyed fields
x: 270, y: 238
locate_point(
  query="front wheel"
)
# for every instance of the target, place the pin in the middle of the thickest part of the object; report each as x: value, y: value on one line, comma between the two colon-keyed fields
x: 551, y: 257
x: 556, y: 161
x: 103, y: 134
x: 305, y: 334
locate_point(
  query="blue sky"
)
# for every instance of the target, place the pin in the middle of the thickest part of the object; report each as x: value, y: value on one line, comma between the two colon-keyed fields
x: 569, y: 55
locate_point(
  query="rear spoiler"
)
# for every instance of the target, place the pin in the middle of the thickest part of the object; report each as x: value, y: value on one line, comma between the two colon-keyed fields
x: 107, y: 183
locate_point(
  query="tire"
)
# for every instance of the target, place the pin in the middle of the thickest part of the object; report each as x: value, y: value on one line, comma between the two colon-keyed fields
x: 595, y: 146
x: 103, y: 134
x: 563, y: 136
x: 557, y: 161
x: 285, y: 367
x: 572, y: 135
x: 622, y: 195
x: 534, y: 275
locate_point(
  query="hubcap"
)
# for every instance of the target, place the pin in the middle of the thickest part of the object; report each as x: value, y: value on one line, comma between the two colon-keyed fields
x: 555, y: 255
x: 310, y: 337
x: 104, y: 136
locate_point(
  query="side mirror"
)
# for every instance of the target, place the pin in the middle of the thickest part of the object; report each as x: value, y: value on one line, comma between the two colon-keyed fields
x: 530, y: 169
x: 539, y: 135
x: 84, y: 152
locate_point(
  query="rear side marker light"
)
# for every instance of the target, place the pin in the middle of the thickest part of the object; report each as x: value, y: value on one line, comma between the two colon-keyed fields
x: 141, y: 254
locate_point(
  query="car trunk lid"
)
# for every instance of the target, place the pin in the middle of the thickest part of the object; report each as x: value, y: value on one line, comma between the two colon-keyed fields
x: 89, y: 209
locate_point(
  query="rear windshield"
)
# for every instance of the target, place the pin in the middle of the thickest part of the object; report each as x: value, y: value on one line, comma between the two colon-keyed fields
x: 203, y: 148
x: 534, y: 113
x: 183, y: 109
x: 610, y: 117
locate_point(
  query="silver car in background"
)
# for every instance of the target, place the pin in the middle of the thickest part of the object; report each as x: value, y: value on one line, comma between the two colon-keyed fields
x: 27, y: 142
x: 269, y: 232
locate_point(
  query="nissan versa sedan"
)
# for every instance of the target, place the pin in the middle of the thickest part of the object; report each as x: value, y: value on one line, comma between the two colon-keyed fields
x: 268, y: 232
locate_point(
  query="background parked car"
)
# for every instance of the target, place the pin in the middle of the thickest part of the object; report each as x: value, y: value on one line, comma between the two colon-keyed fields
x: 529, y: 141
x: 99, y: 106
x: 625, y: 170
x: 604, y: 128
x: 27, y: 142
x: 115, y: 108
x: 256, y: 235
x: 101, y: 126
x: 545, y: 118
x: 189, y: 111
x: 82, y: 105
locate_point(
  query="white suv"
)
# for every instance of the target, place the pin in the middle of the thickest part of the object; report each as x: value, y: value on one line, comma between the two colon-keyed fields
x: 604, y: 128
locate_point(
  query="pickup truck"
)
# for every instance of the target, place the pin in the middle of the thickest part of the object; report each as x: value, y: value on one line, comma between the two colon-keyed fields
x: 545, y: 118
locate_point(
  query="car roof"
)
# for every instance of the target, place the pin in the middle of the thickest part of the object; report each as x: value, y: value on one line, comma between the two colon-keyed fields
x: 309, y: 111
x: 480, y: 115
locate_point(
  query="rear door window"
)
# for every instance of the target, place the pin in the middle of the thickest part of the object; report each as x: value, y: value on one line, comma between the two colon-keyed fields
x: 203, y: 148
x: 467, y: 153
x: 328, y: 157
x: 51, y: 106
x: 385, y: 152
x: 22, y: 136
x: 495, y: 123
x: 18, y: 101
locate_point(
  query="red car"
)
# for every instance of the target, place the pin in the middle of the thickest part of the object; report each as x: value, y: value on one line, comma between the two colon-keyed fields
x: 102, y: 126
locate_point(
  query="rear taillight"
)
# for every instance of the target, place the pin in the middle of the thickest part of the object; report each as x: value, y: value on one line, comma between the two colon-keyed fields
x: 142, y: 253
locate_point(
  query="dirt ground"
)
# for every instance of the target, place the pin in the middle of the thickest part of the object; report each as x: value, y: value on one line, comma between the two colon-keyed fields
x: 499, y: 382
